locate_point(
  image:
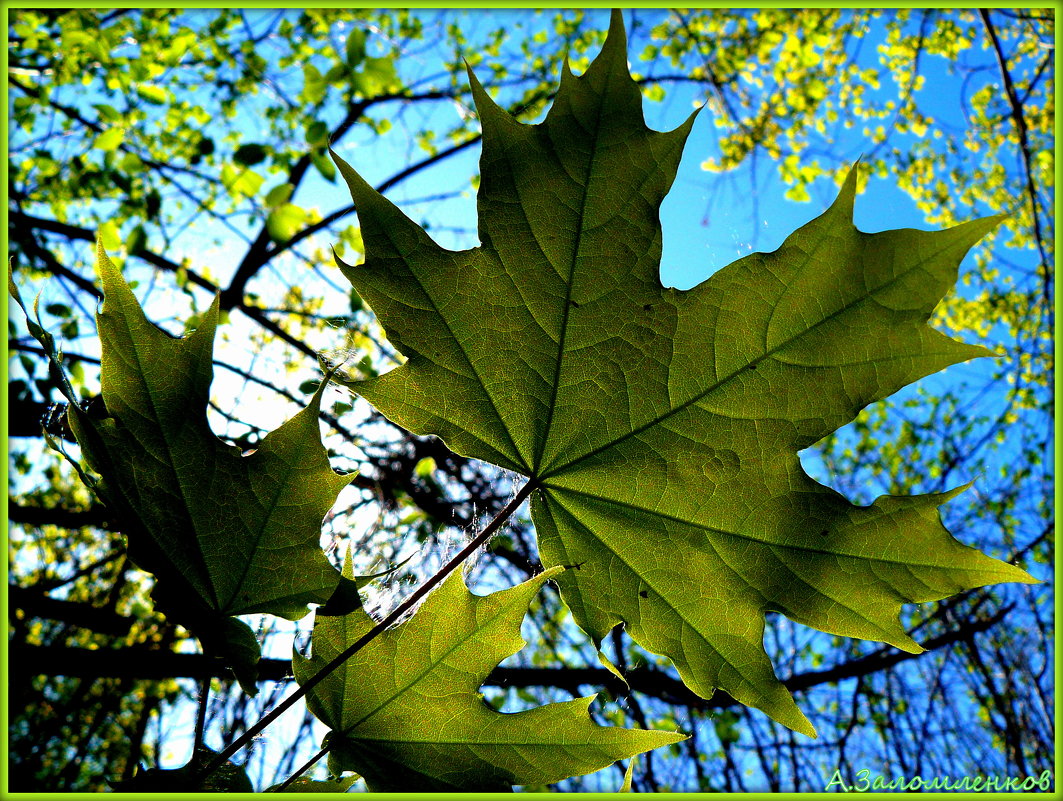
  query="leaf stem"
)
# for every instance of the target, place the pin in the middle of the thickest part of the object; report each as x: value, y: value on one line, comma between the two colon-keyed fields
x: 496, y: 522
x: 309, y: 764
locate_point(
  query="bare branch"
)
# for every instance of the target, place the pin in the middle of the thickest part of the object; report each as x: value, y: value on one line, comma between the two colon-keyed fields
x: 59, y: 660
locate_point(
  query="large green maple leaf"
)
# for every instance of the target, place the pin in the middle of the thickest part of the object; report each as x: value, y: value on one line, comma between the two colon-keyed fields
x: 660, y: 427
x: 224, y: 534
x: 406, y: 714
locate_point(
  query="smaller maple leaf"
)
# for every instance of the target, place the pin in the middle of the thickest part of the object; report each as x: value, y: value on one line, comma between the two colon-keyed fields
x: 406, y: 713
x: 224, y: 534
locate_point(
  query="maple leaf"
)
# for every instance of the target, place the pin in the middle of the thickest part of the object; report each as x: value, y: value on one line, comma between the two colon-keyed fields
x: 224, y: 534
x: 406, y: 714
x: 661, y: 428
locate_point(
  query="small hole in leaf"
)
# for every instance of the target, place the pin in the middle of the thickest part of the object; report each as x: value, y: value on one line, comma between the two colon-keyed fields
x: 643, y: 594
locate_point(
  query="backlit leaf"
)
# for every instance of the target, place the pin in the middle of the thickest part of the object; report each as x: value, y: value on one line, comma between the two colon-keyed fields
x: 241, y: 181
x: 285, y: 221
x: 376, y: 76
x: 314, y: 85
x: 225, y: 534
x: 317, y: 134
x: 355, y: 47
x: 661, y: 428
x: 279, y: 194
x: 110, y: 139
x: 155, y: 95
x: 406, y: 713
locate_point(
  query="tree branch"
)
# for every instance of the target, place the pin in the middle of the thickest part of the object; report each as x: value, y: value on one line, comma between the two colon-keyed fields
x: 1024, y: 149
x: 34, y: 603
x: 61, y: 660
x: 77, y: 232
x: 96, y: 515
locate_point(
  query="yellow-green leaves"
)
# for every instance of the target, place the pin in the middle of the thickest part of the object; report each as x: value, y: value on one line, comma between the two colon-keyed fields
x: 225, y: 534
x: 110, y: 139
x: 406, y: 713
x: 285, y: 221
x: 661, y: 427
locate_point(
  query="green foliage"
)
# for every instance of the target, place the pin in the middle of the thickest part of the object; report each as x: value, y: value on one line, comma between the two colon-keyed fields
x: 655, y: 422
x: 214, y: 526
x: 406, y: 715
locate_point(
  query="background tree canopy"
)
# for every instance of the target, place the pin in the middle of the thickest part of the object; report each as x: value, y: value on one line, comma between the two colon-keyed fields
x: 195, y: 143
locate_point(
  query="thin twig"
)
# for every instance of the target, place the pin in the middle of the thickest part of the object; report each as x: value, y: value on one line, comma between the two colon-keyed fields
x: 373, y: 633
x: 201, y: 715
x: 1024, y: 149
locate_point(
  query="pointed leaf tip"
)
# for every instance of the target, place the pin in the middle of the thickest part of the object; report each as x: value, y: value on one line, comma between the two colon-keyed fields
x: 487, y: 110
x: 617, y: 29
x: 613, y: 56
x: 844, y: 205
